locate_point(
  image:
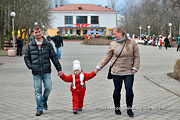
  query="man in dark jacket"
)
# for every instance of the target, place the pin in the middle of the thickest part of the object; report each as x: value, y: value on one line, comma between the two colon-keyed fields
x: 166, y: 40
x: 19, y: 46
x: 37, y: 58
x: 58, y: 44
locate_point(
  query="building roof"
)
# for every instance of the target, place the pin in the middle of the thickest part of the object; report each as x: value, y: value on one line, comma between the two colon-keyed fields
x: 82, y: 7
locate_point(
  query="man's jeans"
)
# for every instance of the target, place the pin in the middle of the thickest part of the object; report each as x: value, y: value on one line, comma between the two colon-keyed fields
x: 58, y: 52
x: 38, y: 79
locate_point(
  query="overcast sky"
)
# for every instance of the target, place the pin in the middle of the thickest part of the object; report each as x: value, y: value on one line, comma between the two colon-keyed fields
x: 99, y: 2
x: 120, y: 4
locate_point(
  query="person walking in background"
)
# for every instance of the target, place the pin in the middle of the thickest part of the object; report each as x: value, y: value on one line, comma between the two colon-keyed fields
x: 19, y: 46
x: 178, y: 43
x: 145, y: 40
x: 49, y: 38
x: 160, y: 37
x: 58, y: 44
x: 166, y: 40
x: 154, y: 40
x: 124, y: 69
x: 160, y: 43
x: 37, y: 57
x: 78, y: 86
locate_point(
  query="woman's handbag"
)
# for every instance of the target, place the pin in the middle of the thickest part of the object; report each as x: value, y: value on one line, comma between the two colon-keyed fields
x: 109, y: 73
x: 109, y: 76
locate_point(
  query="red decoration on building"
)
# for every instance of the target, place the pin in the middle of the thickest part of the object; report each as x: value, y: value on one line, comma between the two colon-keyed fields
x: 82, y: 25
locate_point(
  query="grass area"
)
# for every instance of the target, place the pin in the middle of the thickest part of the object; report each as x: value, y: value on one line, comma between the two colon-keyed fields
x: 97, y: 41
x: 3, y: 52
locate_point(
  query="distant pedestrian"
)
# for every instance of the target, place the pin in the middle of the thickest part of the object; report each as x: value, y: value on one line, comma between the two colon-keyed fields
x: 160, y: 43
x: 154, y: 40
x: 19, y: 46
x: 145, y: 40
x: 178, y: 42
x: 58, y: 44
x: 167, y: 43
x: 86, y: 37
x: 49, y: 38
x: 37, y: 57
x: 78, y: 86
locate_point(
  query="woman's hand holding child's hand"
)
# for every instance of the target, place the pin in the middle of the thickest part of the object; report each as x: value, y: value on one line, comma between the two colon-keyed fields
x: 96, y: 71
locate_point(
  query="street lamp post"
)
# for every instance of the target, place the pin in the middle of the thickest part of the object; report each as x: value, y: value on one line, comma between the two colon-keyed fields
x: 13, y: 14
x: 43, y: 29
x: 170, y: 24
x: 149, y: 30
x: 140, y: 32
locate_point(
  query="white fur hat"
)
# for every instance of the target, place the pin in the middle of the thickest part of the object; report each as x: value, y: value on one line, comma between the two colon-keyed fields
x: 76, y: 65
x: 76, y: 62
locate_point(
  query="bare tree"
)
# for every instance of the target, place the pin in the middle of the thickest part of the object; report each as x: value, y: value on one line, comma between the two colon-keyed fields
x: 61, y: 2
x: 27, y: 13
x: 112, y: 3
x: 154, y: 13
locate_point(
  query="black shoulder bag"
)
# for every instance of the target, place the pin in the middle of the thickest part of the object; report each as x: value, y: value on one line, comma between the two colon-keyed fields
x: 109, y: 73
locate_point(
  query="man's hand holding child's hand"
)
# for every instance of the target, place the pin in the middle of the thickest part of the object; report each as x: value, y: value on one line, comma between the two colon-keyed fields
x: 60, y: 73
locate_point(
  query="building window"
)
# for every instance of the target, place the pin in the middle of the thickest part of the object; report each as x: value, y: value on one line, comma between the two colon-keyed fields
x: 68, y: 19
x: 78, y: 32
x: 71, y: 31
x: 65, y: 31
x: 94, y: 19
x: 81, y: 19
x: 84, y: 32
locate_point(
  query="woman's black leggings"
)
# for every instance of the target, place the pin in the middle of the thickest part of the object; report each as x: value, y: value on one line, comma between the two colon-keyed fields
x: 128, y: 82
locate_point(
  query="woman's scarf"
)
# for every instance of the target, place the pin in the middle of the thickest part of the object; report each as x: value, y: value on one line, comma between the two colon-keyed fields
x: 120, y: 40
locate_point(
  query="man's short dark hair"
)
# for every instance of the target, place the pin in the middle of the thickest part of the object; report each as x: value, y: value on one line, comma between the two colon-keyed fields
x: 36, y: 27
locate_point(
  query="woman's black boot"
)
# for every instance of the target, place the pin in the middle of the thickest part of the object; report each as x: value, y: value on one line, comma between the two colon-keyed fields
x: 117, y: 104
x: 130, y: 112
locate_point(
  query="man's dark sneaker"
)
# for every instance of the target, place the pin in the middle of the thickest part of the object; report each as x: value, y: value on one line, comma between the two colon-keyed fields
x: 130, y: 113
x: 38, y: 113
x: 75, y: 111
x: 118, y: 112
x: 45, y: 106
x: 80, y: 109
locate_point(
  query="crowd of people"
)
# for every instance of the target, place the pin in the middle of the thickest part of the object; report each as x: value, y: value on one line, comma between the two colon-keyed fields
x: 159, y: 41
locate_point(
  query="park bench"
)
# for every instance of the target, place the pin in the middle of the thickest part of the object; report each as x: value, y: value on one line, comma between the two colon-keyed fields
x: 8, y: 45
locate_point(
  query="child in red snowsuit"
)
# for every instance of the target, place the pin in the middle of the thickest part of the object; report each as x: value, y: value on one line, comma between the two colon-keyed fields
x: 160, y: 43
x: 78, y: 86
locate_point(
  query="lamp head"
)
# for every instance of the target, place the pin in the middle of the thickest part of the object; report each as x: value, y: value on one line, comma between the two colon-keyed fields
x: 170, y: 24
x: 13, y: 14
x: 36, y: 23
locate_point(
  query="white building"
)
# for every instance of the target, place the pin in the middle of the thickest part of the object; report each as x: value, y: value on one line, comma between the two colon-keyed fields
x: 78, y: 19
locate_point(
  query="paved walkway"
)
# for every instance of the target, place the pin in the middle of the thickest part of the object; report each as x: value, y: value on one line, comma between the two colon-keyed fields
x: 156, y: 95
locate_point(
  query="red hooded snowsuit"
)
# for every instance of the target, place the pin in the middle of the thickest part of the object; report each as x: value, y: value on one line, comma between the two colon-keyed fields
x: 79, y: 92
